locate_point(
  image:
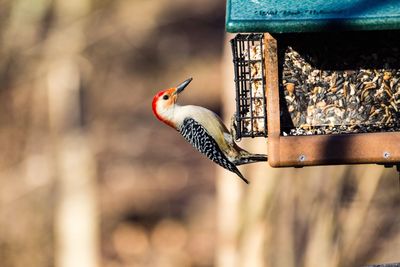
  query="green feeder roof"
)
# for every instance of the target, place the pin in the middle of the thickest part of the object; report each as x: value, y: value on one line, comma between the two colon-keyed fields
x: 280, y: 16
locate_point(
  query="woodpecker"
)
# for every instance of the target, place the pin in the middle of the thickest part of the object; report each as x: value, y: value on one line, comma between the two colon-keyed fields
x: 203, y: 129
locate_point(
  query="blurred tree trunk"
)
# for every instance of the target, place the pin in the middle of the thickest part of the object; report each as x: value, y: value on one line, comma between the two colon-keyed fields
x: 315, y: 216
x: 76, y: 222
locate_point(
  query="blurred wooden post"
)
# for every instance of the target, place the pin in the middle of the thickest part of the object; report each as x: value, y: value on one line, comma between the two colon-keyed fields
x: 242, y: 227
x: 76, y: 222
x: 229, y: 187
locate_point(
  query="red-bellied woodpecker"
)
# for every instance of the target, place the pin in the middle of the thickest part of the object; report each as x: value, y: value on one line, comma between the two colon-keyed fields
x: 203, y: 129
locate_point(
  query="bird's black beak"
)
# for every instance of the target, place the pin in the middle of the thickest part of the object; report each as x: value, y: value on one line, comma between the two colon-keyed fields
x: 182, y: 86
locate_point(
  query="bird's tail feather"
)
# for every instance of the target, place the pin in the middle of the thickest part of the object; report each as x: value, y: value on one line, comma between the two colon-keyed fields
x: 241, y: 176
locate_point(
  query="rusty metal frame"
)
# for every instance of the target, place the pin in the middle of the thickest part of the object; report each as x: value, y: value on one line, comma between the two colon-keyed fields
x: 298, y: 151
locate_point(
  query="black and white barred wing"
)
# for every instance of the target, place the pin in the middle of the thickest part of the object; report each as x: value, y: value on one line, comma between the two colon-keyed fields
x: 198, y: 136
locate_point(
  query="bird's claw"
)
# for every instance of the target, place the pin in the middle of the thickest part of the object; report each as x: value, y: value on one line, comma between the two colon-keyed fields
x: 233, y: 127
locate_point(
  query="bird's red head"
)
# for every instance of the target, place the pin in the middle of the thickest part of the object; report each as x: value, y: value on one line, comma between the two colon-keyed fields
x: 164, y: 103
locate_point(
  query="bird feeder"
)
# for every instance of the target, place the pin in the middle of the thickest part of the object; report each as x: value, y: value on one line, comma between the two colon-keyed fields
x: 320, y: 79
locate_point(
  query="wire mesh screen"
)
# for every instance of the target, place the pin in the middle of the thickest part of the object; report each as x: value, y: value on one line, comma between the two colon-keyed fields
x: 249, y: 69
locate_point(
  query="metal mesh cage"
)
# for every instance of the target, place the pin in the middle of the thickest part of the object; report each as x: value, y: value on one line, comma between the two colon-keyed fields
x: 249, y: 69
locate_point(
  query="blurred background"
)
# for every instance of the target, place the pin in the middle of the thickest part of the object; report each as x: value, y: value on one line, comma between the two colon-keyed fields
x: 88, y: 177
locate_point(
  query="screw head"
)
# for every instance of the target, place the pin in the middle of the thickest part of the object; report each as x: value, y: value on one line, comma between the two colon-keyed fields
x: 386, y: 154
x: 302, y: 158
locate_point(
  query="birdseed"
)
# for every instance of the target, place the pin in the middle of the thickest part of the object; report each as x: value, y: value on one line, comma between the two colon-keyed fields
x: 354, y: 88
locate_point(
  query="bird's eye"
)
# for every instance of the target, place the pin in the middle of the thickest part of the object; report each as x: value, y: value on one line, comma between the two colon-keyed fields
x: 165, y: 97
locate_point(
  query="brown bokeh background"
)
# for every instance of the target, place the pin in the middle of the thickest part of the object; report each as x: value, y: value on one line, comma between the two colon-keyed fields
x: 154, y: 197
x: 88, y: 177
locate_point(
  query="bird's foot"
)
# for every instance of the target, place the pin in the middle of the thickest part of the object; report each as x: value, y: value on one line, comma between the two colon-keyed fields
x: 233, y: 127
